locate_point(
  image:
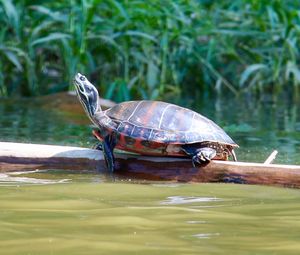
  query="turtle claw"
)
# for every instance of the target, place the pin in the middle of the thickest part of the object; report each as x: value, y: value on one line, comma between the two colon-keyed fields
x: 98, y: 146
x: 203, y: 156
x: 200, y: 160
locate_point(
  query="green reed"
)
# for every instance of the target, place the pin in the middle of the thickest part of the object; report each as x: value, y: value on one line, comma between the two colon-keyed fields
x: 150, y: 49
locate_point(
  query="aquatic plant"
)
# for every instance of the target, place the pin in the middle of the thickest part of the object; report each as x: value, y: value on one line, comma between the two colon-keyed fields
x: 138, y: 49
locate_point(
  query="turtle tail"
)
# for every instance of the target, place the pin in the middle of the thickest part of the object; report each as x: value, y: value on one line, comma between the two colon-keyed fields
x: 233, y: 155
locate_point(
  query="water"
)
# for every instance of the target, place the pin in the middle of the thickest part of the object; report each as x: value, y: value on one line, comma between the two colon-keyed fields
x: 95, y: 217
x: 67, y: 212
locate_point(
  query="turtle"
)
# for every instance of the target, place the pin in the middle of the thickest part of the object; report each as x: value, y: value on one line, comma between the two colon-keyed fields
x: 153, y: 128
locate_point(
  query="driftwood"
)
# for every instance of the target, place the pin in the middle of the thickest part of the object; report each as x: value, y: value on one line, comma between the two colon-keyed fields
x: 272, y: 156
x: 16, y: 157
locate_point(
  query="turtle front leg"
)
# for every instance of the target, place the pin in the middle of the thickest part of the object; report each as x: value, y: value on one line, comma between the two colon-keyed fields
x: 203, y: 156
x: 108, y: 146
x: 98, y: 146
x: 96, y: 134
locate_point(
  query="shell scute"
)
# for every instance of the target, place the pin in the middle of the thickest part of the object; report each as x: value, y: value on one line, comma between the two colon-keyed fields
x: 165, y: 123
x: 141, y: 133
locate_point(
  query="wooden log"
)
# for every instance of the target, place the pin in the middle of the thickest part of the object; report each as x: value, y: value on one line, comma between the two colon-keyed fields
x: 23, y: 156
x: 16, y: 157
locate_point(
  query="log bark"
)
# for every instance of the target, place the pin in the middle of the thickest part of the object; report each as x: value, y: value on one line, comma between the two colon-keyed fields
x: 17, y: 156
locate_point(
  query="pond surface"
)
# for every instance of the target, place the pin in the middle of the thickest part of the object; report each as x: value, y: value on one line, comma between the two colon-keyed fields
x: 68, y: 212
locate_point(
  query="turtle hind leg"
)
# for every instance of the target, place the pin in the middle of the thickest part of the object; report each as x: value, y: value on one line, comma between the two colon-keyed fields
x: 200, y: 156
x: 108, y: 146
x: 203, y: 156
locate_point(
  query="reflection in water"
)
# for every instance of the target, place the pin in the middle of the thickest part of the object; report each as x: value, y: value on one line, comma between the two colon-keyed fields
x: 177, y: 200
x: 27, y: 121
x: 13, y: 179
x: 261, y: 127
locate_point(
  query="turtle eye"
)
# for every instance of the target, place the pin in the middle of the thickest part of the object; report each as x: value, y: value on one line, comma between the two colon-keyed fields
x: 82, y: 78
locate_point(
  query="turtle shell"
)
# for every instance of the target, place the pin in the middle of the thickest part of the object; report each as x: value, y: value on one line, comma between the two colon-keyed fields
x: 162, y: 122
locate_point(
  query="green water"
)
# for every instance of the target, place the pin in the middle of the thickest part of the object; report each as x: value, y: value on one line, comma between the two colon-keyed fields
x: 64, y: 212
x: 116, y: 218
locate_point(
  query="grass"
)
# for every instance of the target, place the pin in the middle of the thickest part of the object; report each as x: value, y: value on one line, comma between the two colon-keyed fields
x: 152, y: 49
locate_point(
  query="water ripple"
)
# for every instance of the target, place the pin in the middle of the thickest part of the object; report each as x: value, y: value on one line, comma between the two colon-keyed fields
x: 206, y: 235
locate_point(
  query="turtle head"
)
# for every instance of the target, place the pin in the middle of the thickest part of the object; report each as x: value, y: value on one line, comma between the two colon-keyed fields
x: 87, y: 94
